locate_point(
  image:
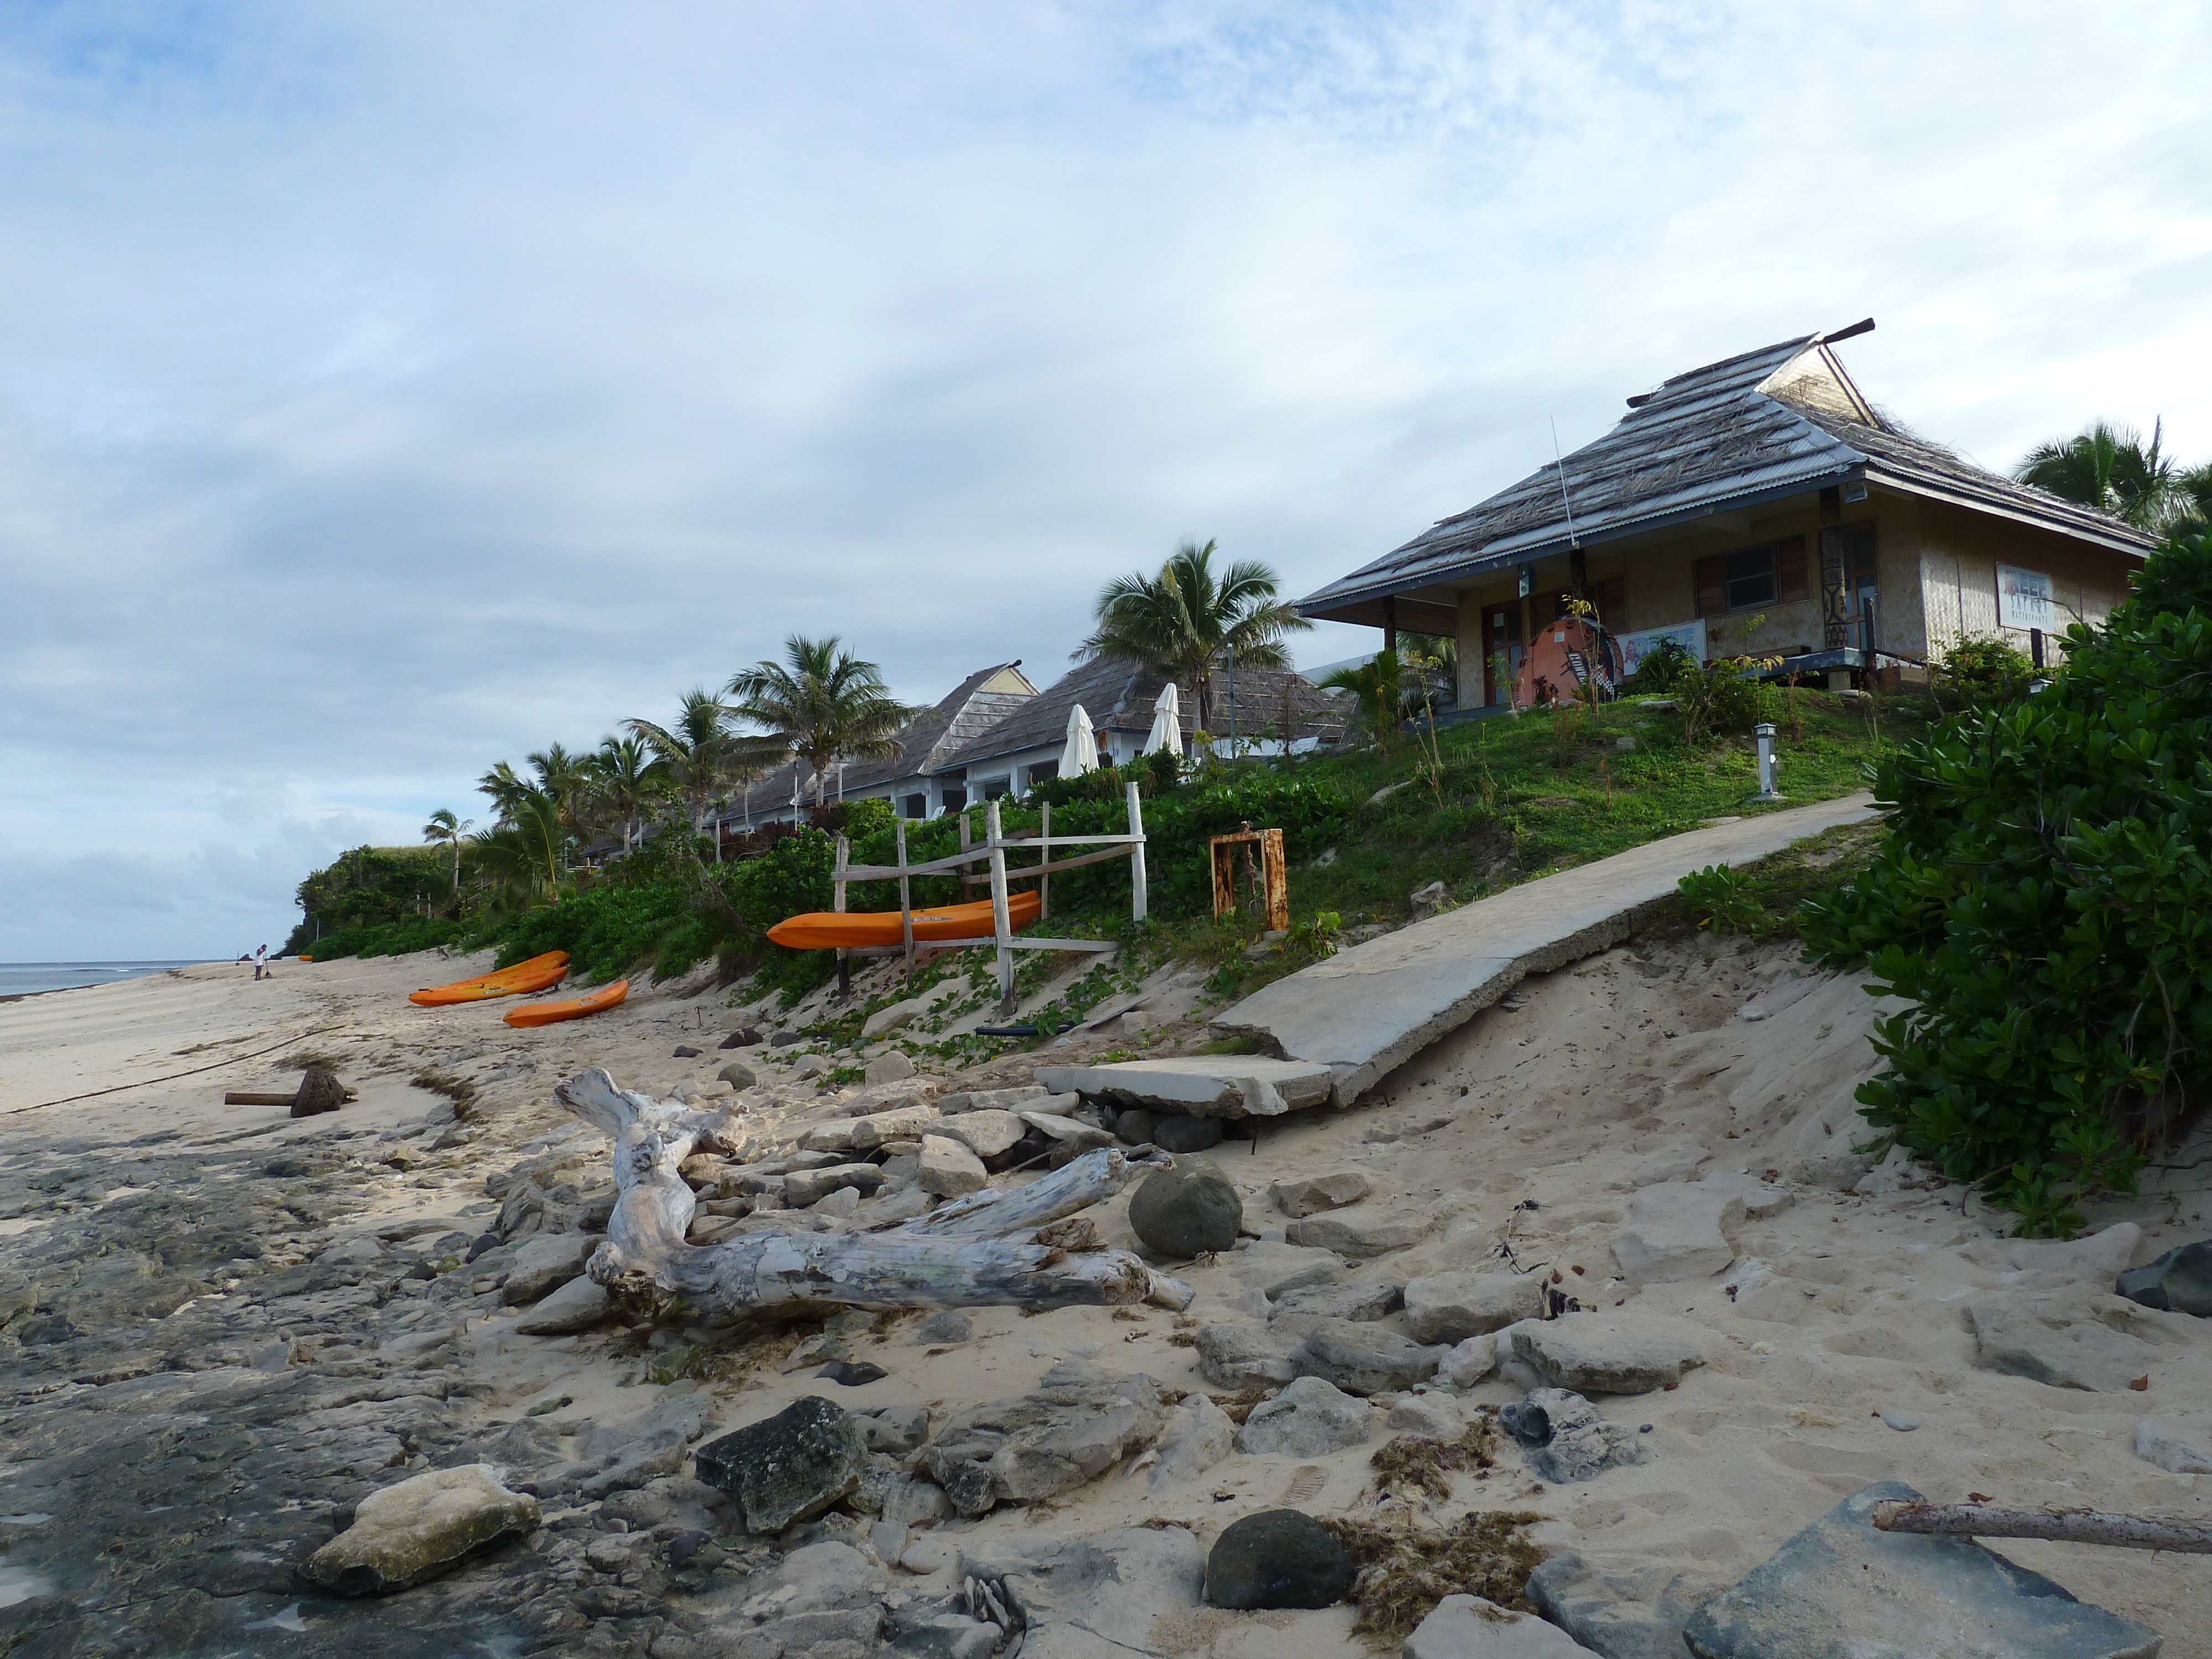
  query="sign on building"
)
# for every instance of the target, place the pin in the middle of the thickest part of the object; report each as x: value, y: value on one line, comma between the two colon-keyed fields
x: 1634, y: 648
x: 2024, y: 600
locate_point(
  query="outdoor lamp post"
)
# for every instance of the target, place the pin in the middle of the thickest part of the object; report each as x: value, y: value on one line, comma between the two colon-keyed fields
x: 1764, y: 733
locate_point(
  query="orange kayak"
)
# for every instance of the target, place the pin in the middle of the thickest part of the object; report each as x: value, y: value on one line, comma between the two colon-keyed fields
x: 828, y: 930
x: 525, y: 978
x: 552, y: 1014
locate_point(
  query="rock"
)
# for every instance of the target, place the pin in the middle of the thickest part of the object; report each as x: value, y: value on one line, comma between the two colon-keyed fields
x: 685, y: 1051
x: 987, y: 1134
x: 948, y: 1168
x: 320, y: 1091
x: 1427, y: 901
x: 2100, y: 1256
x: 1362, y: 1359
x: 1183, y: 1133
x: 744, y: 1037
x: 1842, y: 1587
x: 1091, y: 1598
x: 1634, y: 1610
x: 1469, y: 1627
x: 1200, y: 1434
x: 738, y: 1075
x: 1305, y: 1195
x: 893, y: 1016
x: 1564, y: 1438
x: 1078, y: 1423
x: 852, y: 1373
x: 1277, y: 1558
x: 1275, y: 1269
x: 2072, y: 1337
x: 992, y: 1100
x: 1185, y: 1212
x: 2180, y: 1281
x: 1359, y: 1234
x: 791, y: 1466
x: 1431, y: 1415
x: 833, y: 1137
x: 1235, y: 1357
x: 1308, y: 1418
x: 1200, y: 1086
x: 1452, y: 1307
x: 2183, y: 1446
x: 578, y: 1305
x: 786, y: 1039
x: 1134, y: 1127
x: 896, y: 1429
x: 1371, y: 1299
x: 803, y: 1188
x: 888, y: 1068
x: 1591, y: 1353
x: 838, y: 1205
x: 949, y: 1327
x: 1469, y: 1362
x: 420, y: 1527
x: 1679, y: 1229
x: 1069, y: 1137
x: 810, y: 1065
x: 915, y: 1502
x: 900, y: 1123
x: 545, y: 1262
x: 1900, y: 1422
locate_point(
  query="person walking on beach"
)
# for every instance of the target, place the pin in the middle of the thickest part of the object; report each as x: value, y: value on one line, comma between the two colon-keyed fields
x: 261, y: 963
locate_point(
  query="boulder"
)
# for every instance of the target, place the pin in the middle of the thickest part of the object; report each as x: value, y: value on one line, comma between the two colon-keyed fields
x: 1452, y: 1307
x: 744, y: 1037
x: 951, y: 1326
x: 1358, y: 1233
x: 739, y: 1076
x: 1235, y: 1357
x: 1185, y: 1212
x: 840, y: 1205
x: 2180, y: 1281
x: 896, y: 1429
x: 1277, y: 1558
x: 1590, y: 1353
x: 320, y: 1091
x: 1678, y: 1230
x: 1370, y: 1299
x: 2183, y: 1446
x: 1427, y: 1413
x: 995, y: 1100
x: 789, y: 1468
x: 803, y: 1189
x: 1186, y: 1133
x: 1134, y: 1127
x: 888, y: 1068
x: 1469, y: 1362
x: 1200, y: 1086
x: 545, y: 1262
x: 578, y: 1305
x: 1275, y: 1269
x: 833, y: 1137
x: 1631, y: 1607
x: 2101, y: 1255
x: 900, y: 1123
x: 1469, y: 1627
x: 1566, y: 1439
x: 1078, y: 1423
x: 1842, y: 1586
x: 1308, y: 1418
x: 1090, y: 1598
x: 948, y: 1168
x: 1363, y: 1358
x: 2071, y: 1338
x: 1200, y: 1434
x: 1305, y: 1195
x: 420, y: 1527
x: 987, y: 1134
x: 892, y: 1017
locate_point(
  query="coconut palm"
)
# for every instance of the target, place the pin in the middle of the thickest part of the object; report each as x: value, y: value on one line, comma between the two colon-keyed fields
x: 562, y: 775
x: 1432, y: 673
x: 523, y: 851
x: 507, y: 787
x: 1379, y: 686
x: 2109, y: 468
x: 698, y: 755
x: 445, y: 830
x: 822, y: 704
x: 2195, y: 486
x: 625, y: 777
x: 1179, y: 623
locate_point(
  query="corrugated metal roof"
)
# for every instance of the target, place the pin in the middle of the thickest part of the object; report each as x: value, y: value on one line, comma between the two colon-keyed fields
x: 1758, y: 427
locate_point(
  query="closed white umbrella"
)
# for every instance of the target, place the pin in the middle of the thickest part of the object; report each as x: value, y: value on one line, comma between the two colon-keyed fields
x: 1081, y: 754
x: 1167, y: 722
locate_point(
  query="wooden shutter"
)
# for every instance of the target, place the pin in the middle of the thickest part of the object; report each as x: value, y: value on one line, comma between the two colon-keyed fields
x: 1790, y: 582
x: 1709, y: 578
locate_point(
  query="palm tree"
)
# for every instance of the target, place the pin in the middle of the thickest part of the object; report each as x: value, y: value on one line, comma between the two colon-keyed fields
x: 523, y: 851
x: 2195, y: 487
x: 1432, y: 672
x: 822, y: 704
x: 507, y: 787
x: 1379, y: 684
x: 624, y: 779
x: 564, y: 776
x: 1179, y: 623
x: 444, y: 829
x: 698, y: 757
x: 2108, y: 468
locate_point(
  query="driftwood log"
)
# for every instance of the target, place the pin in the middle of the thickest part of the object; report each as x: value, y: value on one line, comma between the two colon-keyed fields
x: 980, y: 1251
x: 2133, y: 1532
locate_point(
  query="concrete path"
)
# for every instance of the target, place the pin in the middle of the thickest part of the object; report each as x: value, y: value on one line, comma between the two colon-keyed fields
x: 1373, y: 1007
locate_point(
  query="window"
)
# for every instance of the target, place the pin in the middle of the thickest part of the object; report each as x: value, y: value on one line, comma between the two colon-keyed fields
x: 955, y: 799
x: 995, y: 787
x: 915, y: 806
x: 1750, y: 578
x: 1773, y: 572
x: 1042, y: 771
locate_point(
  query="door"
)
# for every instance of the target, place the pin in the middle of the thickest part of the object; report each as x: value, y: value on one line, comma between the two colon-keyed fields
x: 1501, y: 634
x: 1859, y: 579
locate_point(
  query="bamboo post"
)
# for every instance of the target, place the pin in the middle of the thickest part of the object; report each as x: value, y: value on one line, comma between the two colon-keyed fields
x: 1044, y: 882
x: 1000, y: 925
x: 906, y: 904
x: 1137, y: 904
x: 844, y: 961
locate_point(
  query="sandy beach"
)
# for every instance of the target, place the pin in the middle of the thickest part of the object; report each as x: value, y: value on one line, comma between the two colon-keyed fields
x: 1836, y: 1346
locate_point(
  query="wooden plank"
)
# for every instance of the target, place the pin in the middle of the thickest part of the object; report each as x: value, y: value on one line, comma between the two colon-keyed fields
x: 906, y: 906
x: 1137, y: 900
x: 1001, y: 926
x: 953, y: 861
x: 1044, y: 864
x: 1277, y: 877
x: 844, y: 961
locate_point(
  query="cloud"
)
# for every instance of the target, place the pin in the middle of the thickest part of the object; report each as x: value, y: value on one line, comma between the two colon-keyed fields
x: 387, y: 391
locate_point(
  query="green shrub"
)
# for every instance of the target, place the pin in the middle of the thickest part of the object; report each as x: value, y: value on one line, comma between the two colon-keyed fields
x: 1662, y: 670
x: 2044, y: 903
x: 1717, y: 699
x: 1722, y: 900
x: 389, y: 938
x: 1981, y: 672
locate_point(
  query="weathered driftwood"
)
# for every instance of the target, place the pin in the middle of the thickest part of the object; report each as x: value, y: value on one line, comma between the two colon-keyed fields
x: 2132, y: 1531
x: 969, y: 1254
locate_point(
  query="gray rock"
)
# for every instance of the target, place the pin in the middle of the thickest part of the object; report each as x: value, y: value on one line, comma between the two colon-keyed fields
x: 987, y: 1134
x: 420, y: 1527
x: 951, y: 1326
x: 1200, y: 1434
x: 1361, y: 1358
x: 2072, y: 1337
x: 1237, y: 1357
x: 1134, y: 1127
x: 1305, y: 1195
x: 1678, y: 1230
x: 1619, y: 1614
x: 891, y: 1018
x: 744, y: 1037
x: 914, y: 1502
x: 1427, y: 1413
x: 1274, y: 1269
x: 1469, y: 1627
x: 993, y: 1100
x: 1078, y: 1423
x: 948, y: 1168
x: 1187, y: 1134
x: 1205, y: 1085
x: 1566, y: 1439
x: 2180, y: 1281
x: 1277, y: 1558
x: 1452, y: 1307
x: 1467, y: 1363
x: 1358, y: 1233
x: 1091, y: 1598
x: 578, y: 1305
x: 1842, y: 1587
x: 1591, y: 1353
x: 803, y: 1188
x: 738, y: 1075
x: 1308, y: 1418
x: 898, y: 1429
x: 320, y: 1091
x: 1185, y: 1212
x: 545, y: 1262
x: 2182, y: 1446
x: 1371, y: 1299
x: 900, y: 1123
x: 791, y: 1466
x: 888, y: 1068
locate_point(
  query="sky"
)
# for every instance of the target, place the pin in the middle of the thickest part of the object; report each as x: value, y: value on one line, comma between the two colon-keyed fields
x: 389, y: 389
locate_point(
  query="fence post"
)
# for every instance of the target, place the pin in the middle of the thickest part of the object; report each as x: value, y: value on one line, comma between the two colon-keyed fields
x: 906, y: 904
x: 1000, y: 925
x: 1137, y: 900
x: 844, y: 961
x: 1044, y: 882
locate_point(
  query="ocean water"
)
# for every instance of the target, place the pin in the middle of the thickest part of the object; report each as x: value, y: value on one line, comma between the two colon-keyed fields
x: 21, y: 978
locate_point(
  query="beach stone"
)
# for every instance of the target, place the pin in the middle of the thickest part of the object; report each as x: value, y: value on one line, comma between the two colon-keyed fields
x: 914, y: 1502
x: 738, y: 1075
x: 1469, y: 1362
x: 545, y: 1262
x: 892, y: 1017
x: 1308, y: 1418
x: 685, y: 1051
x: 1363, y: 1358
x: 888, y: 1068
x: 988, y: 1135
x: 1277, y: 1558
x: 1236, y: 1356
x: 803, y: 1188
x: 1275, y: 1269
x: 2073, y: 1338
x: 1201, y: 1085
x: 993, y: 1100
x: 1589, y: 1354
x: 1631, y: 1608
x: 744, y: 1037
x: 2101, y: 1255
x: 2180, y: 1281
x: 1469, y: 1627
x: 1305, y: 1195
x: 810, y: 1065
x: 1078, y: 1423
x: 1200, y: 1434
x: 1182, y: 1134
x: 852, y: 1373
x: 789, y: 1468
x: 1564, y: 1438
x: 949, y: 1327
x: 1432, y: 1416
x: 1090, y: 1598
x: 1358, y: 1234
x: 1452, y: 1307
x: 1185, y: 1212
x: 420, y: 1527
x: 832, y: 1137
x: 320, y: 1091
x: 838, y: 1206
x: 900, y: 1123
x: 1678, y: 1230
x: 1841, y: 1586
x: 1134, y: 1127
x: 578, y: 1305
x: 2181, y: 1446
x: 948, y: 1168
x: 786, y: 1039
x: 1371, y: 1299
x: 896, y: 1429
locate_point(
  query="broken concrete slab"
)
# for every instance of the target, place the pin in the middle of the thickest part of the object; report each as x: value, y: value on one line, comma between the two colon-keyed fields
x: 1199, y: 1086
x: 1374, y: 1005
x: 1452, y: 1307
x: 1843, y: 1586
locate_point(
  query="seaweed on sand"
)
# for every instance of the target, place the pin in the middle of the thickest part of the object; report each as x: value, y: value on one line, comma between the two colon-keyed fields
x: 1411, y: 1462
x: 1405, y: 1568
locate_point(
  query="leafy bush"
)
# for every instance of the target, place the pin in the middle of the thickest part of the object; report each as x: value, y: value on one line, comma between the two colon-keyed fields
x: 1722, y: 899
x: 1717, y: 699
x: 390, y: 939
x: 1981, y: 672
x: 2044, y: 903
x: 1662, y: 670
